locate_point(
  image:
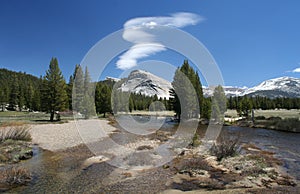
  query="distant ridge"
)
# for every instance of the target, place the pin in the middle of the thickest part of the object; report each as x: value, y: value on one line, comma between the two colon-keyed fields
x: 140, y: 81
x: 278, y: 87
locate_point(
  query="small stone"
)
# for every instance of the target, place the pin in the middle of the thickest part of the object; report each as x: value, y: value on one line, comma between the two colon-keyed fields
x: 165, y: 166
x: 269, y: 169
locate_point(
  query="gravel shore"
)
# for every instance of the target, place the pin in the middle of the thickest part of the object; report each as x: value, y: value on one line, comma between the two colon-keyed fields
x: 55, y: 137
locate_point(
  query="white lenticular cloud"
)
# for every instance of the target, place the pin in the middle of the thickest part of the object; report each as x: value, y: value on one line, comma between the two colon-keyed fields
x: 138, y: 51
x: 139, y: 31
x: 179, y: 20
x: 297, y: 70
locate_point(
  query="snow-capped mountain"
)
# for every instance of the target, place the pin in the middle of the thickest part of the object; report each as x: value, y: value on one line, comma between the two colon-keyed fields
x: 112, y: 79
x: 146, y: 83
x: 229, y: 91
x: 277, y: 87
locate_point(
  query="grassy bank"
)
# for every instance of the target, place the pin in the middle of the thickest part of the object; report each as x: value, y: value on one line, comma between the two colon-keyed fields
x: 29, y: 118
x: 282, y: 113
x: 151, y: 113
x: 277, y: 123
x: 15, y: 146
x: 283, y: 120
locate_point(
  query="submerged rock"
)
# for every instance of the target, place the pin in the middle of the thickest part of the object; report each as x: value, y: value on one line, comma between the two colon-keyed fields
x: 93, y: 160
x: 26, y: 154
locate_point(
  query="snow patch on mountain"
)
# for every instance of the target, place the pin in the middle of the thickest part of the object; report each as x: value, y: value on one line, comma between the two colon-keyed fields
x: 146, y: 83
x: 140, y: 81
x: 228, y: 90
x: 283, y: 84
x: 112, y: 79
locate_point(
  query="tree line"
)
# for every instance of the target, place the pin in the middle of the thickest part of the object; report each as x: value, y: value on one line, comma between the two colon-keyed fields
x: 244, y: 104
x: 18, y: 89
x: 51, y: 93
x: 187, y: 95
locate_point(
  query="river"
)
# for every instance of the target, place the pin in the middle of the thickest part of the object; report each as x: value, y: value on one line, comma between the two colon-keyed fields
x: 285, y: 145
x: 61, y: 172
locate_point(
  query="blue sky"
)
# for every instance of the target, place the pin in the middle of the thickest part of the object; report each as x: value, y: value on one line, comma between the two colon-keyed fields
x: 251, y: 40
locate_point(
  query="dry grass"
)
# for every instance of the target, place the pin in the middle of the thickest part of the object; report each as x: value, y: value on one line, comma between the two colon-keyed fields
x: 112, y: 121
x: 15, y: 176
x: 226, y: 146
x: 12, y: 123
x: 152, y: 113
x: 144, y: 147
x: 195, y: 163
x: 283, y: 113
x: 266, y: 158
x: 17, y: 132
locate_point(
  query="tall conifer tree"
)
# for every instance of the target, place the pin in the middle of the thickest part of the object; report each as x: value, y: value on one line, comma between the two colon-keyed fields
x: 55, y: 98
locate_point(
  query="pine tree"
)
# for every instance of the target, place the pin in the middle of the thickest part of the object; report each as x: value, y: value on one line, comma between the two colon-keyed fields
x: 196, y: 83
x: 218, y: 104
x: 3, y: 97
x: 89, y: 96
x: 188, y: 88
x: 14, y: 94
x: 36, y: 100
x: 175, y: 103
x: 29, y: 97
x: 198, y: 87
x: 131, y: 104
x: 43, y: 94
x: 230, y: 103
x: 206, y: 108
x: 103, y: 99
x: 21, y: 100
x: 70, y: 90
x: 78, y: 90
x: 244, y: 106
x: 55, y: 96
x: 185, y: 92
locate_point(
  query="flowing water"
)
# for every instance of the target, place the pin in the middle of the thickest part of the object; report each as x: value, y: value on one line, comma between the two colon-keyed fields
x: 286, y: 146
x: 61, y: 172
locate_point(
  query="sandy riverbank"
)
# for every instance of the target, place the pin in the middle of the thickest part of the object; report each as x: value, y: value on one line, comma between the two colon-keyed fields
x: 62, y: 136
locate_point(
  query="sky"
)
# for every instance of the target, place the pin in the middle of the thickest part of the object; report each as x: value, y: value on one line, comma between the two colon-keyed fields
x: 250, y: 40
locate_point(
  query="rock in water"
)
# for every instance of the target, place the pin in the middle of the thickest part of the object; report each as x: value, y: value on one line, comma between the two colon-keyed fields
x: 93, y: 160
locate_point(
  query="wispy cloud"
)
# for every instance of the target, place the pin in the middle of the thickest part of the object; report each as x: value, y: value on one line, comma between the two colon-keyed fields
x: 139, y: 31
x: 297, y: 70
x: 138, y: 51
